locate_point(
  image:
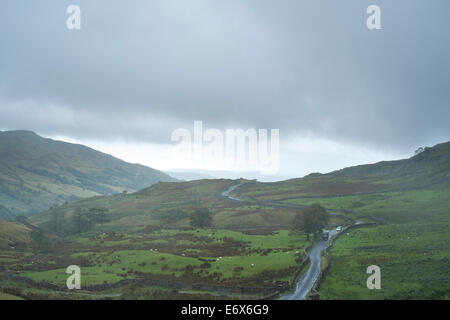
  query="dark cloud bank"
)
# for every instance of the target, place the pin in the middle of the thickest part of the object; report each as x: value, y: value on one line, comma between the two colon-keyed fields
x: 140, y: 69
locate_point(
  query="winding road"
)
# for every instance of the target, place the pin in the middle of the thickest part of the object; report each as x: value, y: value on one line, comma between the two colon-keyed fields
x: 226, y: 193
x: 307, y: 280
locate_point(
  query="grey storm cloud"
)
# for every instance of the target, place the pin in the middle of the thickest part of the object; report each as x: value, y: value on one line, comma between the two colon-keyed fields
x: 140, y: 69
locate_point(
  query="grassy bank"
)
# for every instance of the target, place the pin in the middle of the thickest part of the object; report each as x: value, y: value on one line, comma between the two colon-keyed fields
x: 413, y: 257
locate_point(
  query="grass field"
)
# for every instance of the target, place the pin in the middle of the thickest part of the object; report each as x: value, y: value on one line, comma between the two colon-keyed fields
x: 395, y: 207
x: 414, y: 259
x: 207, y: 256
x: 7, y: 296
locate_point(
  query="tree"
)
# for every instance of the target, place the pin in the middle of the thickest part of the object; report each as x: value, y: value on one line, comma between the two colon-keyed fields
x: 201, y: 218
x: 97, y: 215
x: 84, y: 219
x: 173, y: 216
x: 56, y: 220
x: 40, y: 241
x: 79, y: 221
x: 312, y: 220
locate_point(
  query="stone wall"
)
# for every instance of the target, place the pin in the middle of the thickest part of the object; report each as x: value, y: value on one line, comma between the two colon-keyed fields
x: 42, y: 285
x: 301, y: 267
x: 259, y: 291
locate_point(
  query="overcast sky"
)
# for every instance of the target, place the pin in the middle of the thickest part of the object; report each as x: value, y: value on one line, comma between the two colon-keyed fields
x: 340, y: 94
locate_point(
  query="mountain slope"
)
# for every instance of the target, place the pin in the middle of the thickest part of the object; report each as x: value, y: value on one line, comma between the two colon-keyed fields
x: 150, y: 206
x: 429, y: 169
x: 13, y: 234
x: 168, y: 205
x: 36, y: 173
x: 432, y: 166
x: 425, y: 175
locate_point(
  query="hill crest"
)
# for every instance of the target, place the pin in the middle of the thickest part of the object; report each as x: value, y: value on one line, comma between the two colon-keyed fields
x: 37, y: 172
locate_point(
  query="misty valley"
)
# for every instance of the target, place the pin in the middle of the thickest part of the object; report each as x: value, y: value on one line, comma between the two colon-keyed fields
x: 220, y: 238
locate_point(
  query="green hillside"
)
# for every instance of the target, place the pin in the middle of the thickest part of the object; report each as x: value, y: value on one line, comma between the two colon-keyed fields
x: 36, y: 173
x: 168, y: 205
x: 426, y: 169
x: 384, y: 190
x: 13, y: 234
x: 429, y: 169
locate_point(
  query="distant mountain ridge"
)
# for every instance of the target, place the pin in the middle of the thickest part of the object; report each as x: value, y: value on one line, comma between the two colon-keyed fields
x: 189, y: 176
x: 428, y: 169
x: 36, y: 173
